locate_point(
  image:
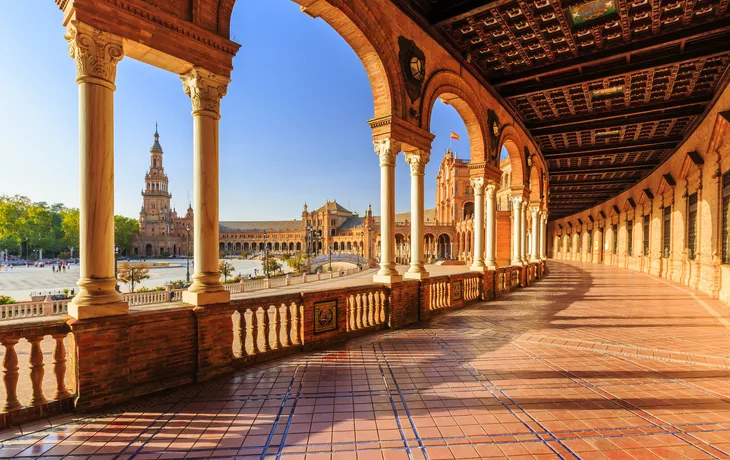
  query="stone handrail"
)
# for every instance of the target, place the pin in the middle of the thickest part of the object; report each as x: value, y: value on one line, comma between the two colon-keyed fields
x: 15, y: 409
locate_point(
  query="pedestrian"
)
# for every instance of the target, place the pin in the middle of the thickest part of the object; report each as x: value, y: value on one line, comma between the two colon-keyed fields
x: 53, y: 267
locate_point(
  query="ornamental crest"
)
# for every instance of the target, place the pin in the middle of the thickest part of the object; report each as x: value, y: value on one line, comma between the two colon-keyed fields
x: 413, y: 64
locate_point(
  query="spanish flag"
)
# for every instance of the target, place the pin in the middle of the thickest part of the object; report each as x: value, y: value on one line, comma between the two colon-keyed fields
x: 454, y: 136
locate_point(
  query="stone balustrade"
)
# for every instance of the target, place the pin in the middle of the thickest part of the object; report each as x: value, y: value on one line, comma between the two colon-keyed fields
x: 366, y: 308
x: 135, y: 299
x: 268, y: 324
x: 25, y: 395
x: 34, y: 309
x: 118, y: 358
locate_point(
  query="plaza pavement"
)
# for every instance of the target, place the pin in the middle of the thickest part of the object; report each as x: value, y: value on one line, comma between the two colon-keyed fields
x: 592, y: 362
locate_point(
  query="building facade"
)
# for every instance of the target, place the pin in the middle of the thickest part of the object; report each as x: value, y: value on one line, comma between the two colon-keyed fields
x: 448, y: 226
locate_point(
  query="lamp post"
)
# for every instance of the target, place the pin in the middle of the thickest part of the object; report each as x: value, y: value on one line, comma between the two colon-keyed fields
x: 27, y: 248
x: 266, y: 257
x: 362, y: 245
x: 330, y: 251
x: 308, y: 242
x: 187, y: 257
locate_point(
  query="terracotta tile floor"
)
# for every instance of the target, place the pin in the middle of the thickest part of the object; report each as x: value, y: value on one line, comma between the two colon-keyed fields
x: 593, y: 362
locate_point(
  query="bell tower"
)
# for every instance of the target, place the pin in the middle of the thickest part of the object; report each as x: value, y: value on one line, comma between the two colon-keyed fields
x: 156, y: 213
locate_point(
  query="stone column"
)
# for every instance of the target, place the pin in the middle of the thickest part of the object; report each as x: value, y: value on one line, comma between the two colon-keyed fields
x: 417, y: 161
x: 387, y: 150
x: 523, y: 224
x: 543, y: 236
x: 96, y: 54
x: 534, y: 257
x: 517, y: 231
x: 491, y: 227
x: 205, y: 90
x: 477, y: 264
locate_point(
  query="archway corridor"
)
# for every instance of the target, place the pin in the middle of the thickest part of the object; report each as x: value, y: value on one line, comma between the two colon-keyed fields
x: 592, y: 358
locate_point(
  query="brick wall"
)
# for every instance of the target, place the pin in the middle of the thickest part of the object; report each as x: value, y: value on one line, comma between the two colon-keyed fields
x: 504, y: 230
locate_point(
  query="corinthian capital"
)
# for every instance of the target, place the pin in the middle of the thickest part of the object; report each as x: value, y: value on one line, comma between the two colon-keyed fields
x: 534, y: 210
x: 491, y: 190
x: 96, y: 53
x: 477, y: 183
x: 387, y: 150
x: 205, y: 89
x: 417, y: 161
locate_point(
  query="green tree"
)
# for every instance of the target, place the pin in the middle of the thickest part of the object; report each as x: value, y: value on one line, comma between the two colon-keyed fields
x: 297, y: 261
x: 70, y: 227
x: 130, y: 274
x: 226, y: 269
x: 273, y: 264
x: 125, y: 233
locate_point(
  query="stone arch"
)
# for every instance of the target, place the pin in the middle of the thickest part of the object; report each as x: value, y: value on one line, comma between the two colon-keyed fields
x: 511, y: 141
x: 535, y: 178
x: 455, y: 91
x: 467, y: 210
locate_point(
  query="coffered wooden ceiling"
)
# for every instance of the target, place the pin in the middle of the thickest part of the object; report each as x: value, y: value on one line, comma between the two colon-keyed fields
x: 607, y: 88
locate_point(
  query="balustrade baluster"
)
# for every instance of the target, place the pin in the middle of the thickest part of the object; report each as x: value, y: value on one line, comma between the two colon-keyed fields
x: 295, y: 324
x: 351, y: 313
x: 286, y: 325
x: 267, y: 330
x: 239, y: 334
x: 255, y: 331
x: 59, y: 366
x: 276, y: 344
x: 371, y: 310
x: 381, y: 297
x: 358, y: 311
x: 10, y: 375
x: 36, y: 371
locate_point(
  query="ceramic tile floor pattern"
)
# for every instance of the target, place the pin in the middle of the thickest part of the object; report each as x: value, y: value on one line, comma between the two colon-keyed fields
x: 592, y: 362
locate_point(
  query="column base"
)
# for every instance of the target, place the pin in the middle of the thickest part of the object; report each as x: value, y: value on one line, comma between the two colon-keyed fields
x: 517, y: 262
x: 477, y: 268
x: 416, y: 275
x: 492, y: 266
x: 206, y: 298
x: 97, y: 311
x: 534, y: 261
x: 387, y: 279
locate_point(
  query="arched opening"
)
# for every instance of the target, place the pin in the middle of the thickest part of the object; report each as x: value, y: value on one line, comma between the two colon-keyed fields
x: 238, y: 247
x: 148, y: 250
x: 246, y: 247
x: 468, y: 210
x: 513, y: 149
x: 444, y: 246
x: 299, y: 246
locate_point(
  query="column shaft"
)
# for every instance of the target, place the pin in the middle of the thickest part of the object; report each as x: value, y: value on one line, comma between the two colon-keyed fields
x: 96, y: 54
x: 205, y: 90
x: 517, y: 231
x: 491, y: 227
x: 417, y: 162
x: 534, y: 257
x: 387, y: 150
x: 478, y: 259
x: 523, y: 247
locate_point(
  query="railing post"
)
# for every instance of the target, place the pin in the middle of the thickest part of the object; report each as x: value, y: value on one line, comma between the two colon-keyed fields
x: 10, y: 375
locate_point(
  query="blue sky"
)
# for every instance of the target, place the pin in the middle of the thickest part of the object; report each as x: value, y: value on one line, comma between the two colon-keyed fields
x: 293, y: 128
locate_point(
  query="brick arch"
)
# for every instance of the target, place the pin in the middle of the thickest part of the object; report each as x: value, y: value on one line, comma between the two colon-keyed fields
x: 511, y: 140
x: 358, y: 25
x: 459, y: 94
